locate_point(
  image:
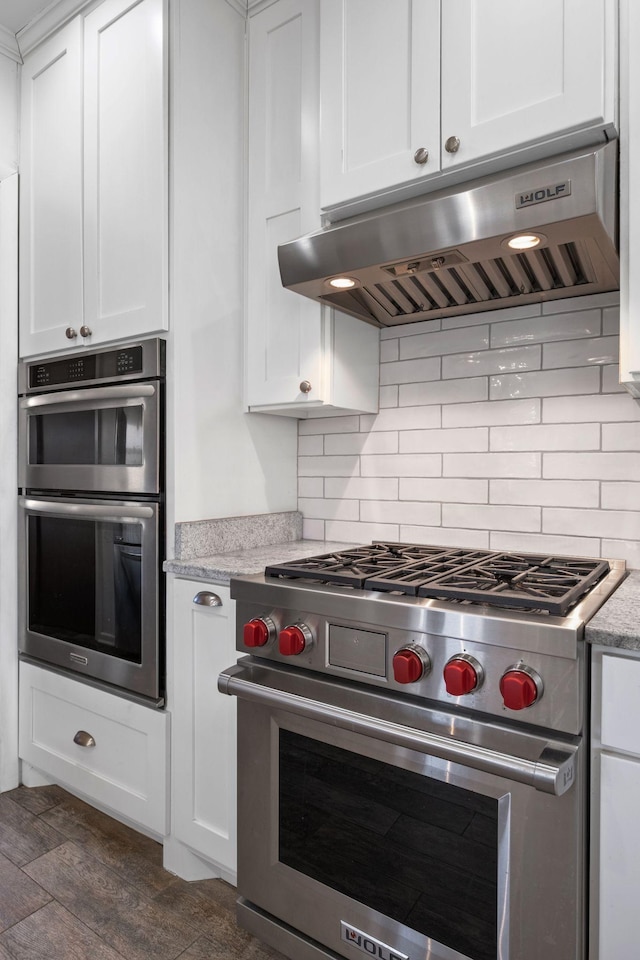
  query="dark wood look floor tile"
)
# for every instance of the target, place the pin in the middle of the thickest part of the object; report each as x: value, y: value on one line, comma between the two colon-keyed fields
x: 128, y: 921
x: 24, y: 837
x: 218, y: 890
x: 205, y: 915
x: 19, y: 895
x: 134, y: 857
x: 52, y: 933
x: 37, y: 799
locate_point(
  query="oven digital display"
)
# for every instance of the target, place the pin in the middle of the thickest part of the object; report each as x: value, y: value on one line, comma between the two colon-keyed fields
x: 108, y: 365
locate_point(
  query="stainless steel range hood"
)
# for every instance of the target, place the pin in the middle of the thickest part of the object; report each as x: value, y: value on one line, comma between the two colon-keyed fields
x: 447, y: 253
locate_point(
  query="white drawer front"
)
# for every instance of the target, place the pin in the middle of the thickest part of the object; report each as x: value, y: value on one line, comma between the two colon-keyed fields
x: 125, y: 770
x: 621, y: 704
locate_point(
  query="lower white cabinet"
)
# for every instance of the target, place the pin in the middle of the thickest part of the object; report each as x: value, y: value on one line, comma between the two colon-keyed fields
x: 203, y: 726
x: 99, y: 745
x: 615, y: 837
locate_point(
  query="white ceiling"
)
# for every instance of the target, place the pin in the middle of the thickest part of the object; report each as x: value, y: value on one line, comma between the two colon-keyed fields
x: 15, y: 14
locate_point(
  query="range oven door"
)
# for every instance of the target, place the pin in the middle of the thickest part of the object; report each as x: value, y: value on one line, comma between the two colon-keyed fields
x: 103, y: 439
x: 373, y: 824
x: 90, y: 589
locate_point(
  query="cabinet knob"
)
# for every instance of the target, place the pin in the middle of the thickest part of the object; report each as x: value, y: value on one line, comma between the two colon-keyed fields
x: 70, y: 333
x: 421, y: 155
x: 207, y: 599
x: 85, y: 331
x: 84, y: 739
x: 452, y: 145
x: 305, y: 387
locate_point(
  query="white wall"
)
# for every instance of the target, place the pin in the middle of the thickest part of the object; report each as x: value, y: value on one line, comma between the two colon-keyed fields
x: 222, y: 462
x: 505, y: 430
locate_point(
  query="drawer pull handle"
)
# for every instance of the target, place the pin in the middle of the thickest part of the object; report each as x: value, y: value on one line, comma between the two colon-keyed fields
x: 206, y: 599
x: 84, y: 739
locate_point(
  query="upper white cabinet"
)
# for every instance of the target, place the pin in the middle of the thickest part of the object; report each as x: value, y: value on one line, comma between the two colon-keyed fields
x: 295, y: 352
x: 94, y: 180
x: 464, y: 80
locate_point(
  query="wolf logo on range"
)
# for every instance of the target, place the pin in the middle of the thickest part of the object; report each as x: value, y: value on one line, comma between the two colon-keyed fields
x: 369, y: 945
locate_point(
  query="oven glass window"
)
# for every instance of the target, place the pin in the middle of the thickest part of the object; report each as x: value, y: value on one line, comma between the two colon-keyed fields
x: 110, y: 437
x: 85, y: 580
x: 421, y: 851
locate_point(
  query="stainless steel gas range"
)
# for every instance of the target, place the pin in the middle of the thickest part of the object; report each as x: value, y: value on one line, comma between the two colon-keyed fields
x: 411, y: 756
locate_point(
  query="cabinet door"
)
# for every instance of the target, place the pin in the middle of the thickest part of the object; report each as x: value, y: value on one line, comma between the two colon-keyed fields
x: 380, y: 95
x: 51, y: 193
x: 514, y: 74
x: 284, y: 330
x: 619, y: 856
x: 203, y: 725
x: 124, y: 170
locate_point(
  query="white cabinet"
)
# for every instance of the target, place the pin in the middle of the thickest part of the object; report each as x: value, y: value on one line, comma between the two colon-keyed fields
x: 466, y: 80
x: 300, y: 358
x: 94, y: 188
x: 101, y: 746
x: 630, y: 196
x: 203, y: 724
x: 615, y: 842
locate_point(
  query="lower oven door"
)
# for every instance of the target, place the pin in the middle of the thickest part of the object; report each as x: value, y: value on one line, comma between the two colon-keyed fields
x: 90, y: 589
x: 373, y: 824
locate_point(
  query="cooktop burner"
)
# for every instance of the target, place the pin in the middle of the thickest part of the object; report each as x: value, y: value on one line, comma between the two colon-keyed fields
x: 527, y: 581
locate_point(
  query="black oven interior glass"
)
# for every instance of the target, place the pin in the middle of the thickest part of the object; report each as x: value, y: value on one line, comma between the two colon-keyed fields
x: 85, y: 583
x: 111, y: 437
x: 350, y: 822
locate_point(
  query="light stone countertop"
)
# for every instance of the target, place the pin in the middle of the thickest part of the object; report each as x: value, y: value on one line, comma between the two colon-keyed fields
x: 220, y: 567
x: 617, y: 623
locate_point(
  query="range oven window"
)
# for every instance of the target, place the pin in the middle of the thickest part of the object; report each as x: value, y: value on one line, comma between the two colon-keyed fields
x: 419, y: 850
x: 110, y: 436
x: 84, y: 583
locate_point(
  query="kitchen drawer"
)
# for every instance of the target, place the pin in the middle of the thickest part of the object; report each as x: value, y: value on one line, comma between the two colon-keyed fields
x: 126, y: 769
x: 621, y: 704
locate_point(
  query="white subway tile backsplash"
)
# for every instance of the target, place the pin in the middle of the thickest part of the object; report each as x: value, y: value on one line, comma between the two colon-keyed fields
x: 328, y: 466
x: 487, y: 517
x: 583, y: 323
x: 310, y: 487
x: 540, y: 543
x: 611, y: 379
x: 510, y: 313
x: 438, y: 344
x: 611, y: 321
x: 491, y: 413
x: 388, y: 396
x: 621, y: 436
x: 492, y: 361
x: 443, y: 489
x: 325, y: 509
x: 627, y: 550
x: 328, y: 425
x: 311, y: 446
x: 621, y: 496
x: 590, y: 302
x: 405, y: 511
x: 593, y: 351
x: 491, y: 464
x: 591, y: 466
x: 614, y: 524
x: 561, y: 436
x: 410, y: 371
x: 362, y: 488
x: 410, y: 329
x: 551, y: 493
x: 545, y: 383
x: 599, y: 408
x: 444, y: 441
x: 389, y: 350
x: 402, y: 418
x: 402, y: 465
x: 445, y: 537
x: 443, y: 391
x: 312, y: 529
x: 351, y: 532
x: 339, y: 443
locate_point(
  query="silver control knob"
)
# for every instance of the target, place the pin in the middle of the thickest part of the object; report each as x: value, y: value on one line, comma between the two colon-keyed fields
x: 452, y: 145
x: 421, y: 155
x: 70, y: 333
x: 85, y: 331
x: 305, y: 387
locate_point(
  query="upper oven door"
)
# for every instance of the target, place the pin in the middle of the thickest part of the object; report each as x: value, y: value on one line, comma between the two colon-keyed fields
x: 372, y: 822
x: 103, y: 439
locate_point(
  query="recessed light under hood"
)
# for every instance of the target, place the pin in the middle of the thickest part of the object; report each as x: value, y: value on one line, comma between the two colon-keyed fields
x: 448, y: 252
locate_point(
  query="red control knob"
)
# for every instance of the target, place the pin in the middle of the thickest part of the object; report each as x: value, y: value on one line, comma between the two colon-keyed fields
x: 293, y: 640
x: 408, y: 665
x: 461, y: 676
x: 520, y: 688
x: 256, y: 633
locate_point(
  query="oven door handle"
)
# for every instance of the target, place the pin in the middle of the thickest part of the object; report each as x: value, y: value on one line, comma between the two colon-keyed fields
x: 130, y: 512
x: 553, y: 772
x: 133, y: 391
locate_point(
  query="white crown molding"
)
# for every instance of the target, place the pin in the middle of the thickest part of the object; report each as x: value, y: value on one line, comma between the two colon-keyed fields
x: 55, y: 15
x: 240, y: 6
x: 255, y: 6
x: 9, y: 45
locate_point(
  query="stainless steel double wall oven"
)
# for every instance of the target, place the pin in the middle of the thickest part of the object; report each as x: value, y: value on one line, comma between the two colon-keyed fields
x: 91, y: 470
